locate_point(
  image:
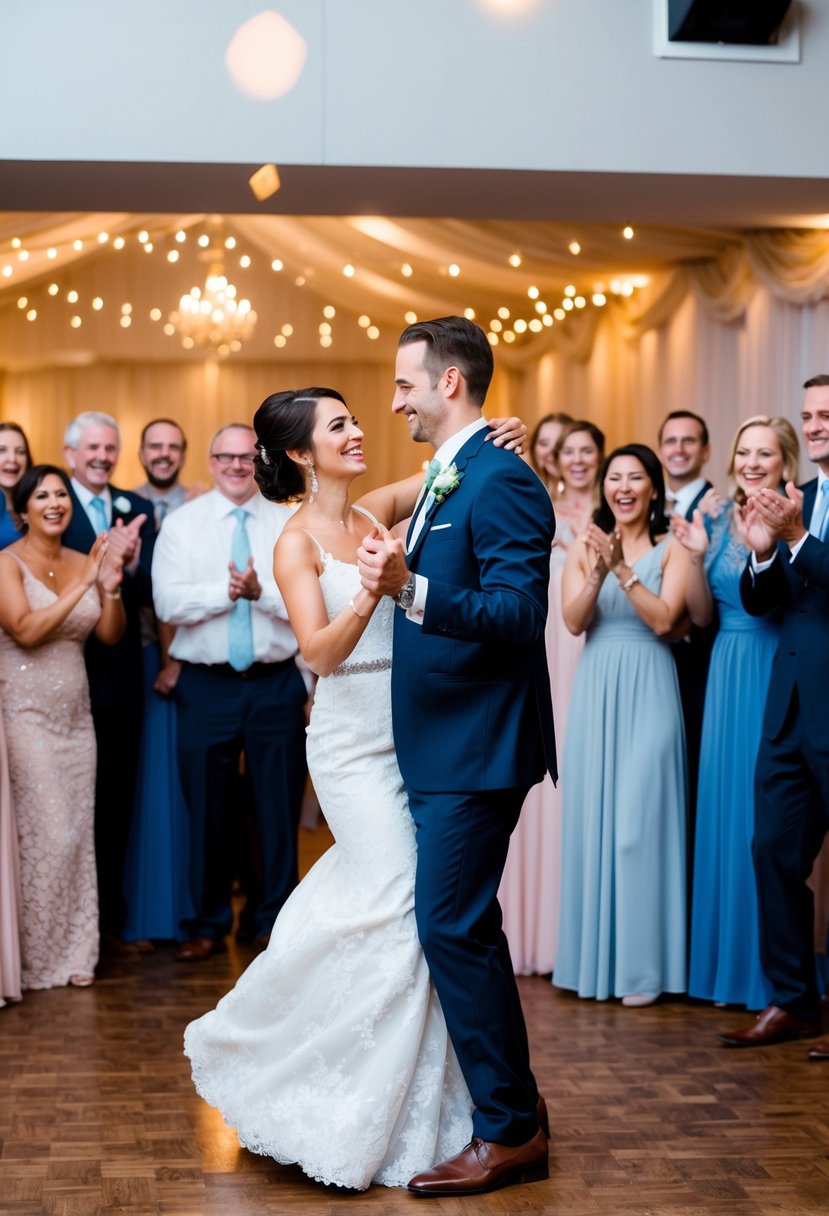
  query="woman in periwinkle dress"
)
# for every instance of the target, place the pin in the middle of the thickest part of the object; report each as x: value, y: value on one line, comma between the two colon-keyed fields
x: 531, y: 886
x: 622, y: 922
x: 725, y: 952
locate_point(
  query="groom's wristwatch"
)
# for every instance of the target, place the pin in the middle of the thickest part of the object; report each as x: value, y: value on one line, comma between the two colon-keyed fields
x: 406, y: 595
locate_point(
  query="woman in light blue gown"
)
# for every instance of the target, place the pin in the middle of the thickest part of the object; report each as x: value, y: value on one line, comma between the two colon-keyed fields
x: 622, y: 923
x: 725, y: 951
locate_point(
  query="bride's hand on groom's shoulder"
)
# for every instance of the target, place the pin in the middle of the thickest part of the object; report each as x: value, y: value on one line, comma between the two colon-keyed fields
x: 381, y: 560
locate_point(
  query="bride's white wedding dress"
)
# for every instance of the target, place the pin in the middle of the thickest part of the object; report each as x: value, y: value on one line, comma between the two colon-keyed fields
x: 332, y: 1050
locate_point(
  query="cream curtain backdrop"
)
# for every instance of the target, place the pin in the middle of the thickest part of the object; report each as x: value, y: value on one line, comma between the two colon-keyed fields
x: 728, y: 325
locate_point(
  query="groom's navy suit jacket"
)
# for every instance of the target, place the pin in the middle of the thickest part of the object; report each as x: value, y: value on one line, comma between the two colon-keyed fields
x: 470, y: 689
x: 801, y: 589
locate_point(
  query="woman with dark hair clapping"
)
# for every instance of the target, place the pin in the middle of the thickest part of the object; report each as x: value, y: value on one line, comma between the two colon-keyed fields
x: 622, y: 922
x: 51, y: 598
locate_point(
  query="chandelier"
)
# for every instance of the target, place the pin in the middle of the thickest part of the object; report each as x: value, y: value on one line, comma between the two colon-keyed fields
x: 213, y: 317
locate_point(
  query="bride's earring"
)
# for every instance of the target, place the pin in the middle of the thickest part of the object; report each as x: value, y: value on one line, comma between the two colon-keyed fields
x: 312, y: 477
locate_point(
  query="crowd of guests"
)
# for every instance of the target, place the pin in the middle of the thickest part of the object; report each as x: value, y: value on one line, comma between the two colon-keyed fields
x: 673, y: 855
x: 133, y: 675
x: 144, y: 647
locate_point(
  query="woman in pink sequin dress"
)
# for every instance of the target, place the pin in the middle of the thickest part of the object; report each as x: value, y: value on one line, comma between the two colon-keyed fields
x: 51, y: 599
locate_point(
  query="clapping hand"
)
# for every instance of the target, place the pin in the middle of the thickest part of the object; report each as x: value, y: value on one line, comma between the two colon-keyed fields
x: 712, y: 503
x: 94, y: 559
x: 244, y: 584
x: 783, y: 515
x: 381, y: 560
x: 691, y: 535
x: 125, y: 540
x: 607, y: 546
x: 754, y: 531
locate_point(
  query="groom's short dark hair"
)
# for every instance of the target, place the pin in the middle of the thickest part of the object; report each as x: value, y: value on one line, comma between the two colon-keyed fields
x: 454, y: 342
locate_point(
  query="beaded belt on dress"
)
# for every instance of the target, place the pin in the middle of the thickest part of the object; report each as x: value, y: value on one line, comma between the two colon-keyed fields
x: 352, y: 669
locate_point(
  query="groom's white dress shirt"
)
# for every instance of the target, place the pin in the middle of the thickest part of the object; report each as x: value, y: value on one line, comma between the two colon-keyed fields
x: 445, y: 454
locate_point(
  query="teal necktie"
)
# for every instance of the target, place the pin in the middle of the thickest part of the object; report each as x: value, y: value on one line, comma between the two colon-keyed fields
x: 432, y: 469
x: 240, y: 626
x: 97, y: 505
x: 819, y: 511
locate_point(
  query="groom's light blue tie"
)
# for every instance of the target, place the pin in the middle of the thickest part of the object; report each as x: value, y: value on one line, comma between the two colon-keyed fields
x: 819, y: 512
x: 97, y: 505
x: 240, y: 626
x: 432, y: 470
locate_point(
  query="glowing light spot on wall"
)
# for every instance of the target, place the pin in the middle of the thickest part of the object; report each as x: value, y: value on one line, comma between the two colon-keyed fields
x: 266, y: 56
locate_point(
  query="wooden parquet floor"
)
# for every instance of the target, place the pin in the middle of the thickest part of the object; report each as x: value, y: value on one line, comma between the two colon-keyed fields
x: 650, y: 1117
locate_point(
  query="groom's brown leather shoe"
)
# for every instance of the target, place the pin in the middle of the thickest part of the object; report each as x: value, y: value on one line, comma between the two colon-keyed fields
x: 483, y: 1166
x: 773, y: 1025
x: 542, y: 1116
x: 819, y: 1051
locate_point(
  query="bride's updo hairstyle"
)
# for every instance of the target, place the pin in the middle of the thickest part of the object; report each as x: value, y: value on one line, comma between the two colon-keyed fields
x: 283, y: 422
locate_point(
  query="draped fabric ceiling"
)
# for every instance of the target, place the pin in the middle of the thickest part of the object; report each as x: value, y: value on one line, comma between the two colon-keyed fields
x: 51, y: 364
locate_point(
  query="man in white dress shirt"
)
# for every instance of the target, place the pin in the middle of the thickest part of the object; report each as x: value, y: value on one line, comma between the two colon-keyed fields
x: 239, y: 689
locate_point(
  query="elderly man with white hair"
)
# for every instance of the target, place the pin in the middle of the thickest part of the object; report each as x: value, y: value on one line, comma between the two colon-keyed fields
x: 92, y: 442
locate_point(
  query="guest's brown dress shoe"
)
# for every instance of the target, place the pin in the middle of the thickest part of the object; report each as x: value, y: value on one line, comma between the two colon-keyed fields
x: 116, y: 947
x: 198, y: 949
x: 820, y: 1051
x: 483, y: 1166
x: 773, y: 1025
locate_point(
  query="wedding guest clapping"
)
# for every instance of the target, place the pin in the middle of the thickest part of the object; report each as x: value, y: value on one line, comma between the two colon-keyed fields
x: 15, y: 459
x: 531, y: 887
x: 51, y: 599
x: 788, y: 571
x: 725, y: 948
x: 622, y: 921
x: 92, y: 443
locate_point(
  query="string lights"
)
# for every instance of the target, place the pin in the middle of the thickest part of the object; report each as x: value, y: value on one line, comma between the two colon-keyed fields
x: 217, y: 318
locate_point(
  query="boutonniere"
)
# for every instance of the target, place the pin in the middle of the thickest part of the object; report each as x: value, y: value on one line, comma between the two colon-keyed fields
x: 446, y: 481
x: 122, y: 505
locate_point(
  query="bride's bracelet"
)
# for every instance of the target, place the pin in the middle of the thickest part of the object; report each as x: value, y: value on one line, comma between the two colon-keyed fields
x: 354, y: 610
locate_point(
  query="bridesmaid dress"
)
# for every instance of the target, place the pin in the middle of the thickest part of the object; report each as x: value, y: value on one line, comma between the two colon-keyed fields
x: 531, y: 885
x: 725, y: 952
x: 622, y: 920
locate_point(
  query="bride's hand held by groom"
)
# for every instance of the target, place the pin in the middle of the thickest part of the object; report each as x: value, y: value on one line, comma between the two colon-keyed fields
x: 381, y: 560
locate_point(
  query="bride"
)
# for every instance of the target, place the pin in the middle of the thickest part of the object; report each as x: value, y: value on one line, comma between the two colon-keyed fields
x: 331, y: 1051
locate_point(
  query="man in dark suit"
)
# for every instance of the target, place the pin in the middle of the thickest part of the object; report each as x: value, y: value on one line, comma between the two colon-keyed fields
x: 788, y: 571
x: 684, y: 450
x: 473, y: 726
x: 91, y: 446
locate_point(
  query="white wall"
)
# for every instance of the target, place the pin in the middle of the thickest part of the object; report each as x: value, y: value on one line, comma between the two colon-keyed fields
x: 563, y: 85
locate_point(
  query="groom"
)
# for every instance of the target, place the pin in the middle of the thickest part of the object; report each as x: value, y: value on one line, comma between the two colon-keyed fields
x: 473, y: 726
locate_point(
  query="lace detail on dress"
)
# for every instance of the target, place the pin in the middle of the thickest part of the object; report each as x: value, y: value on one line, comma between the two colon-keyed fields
x: 51, y: 746
x: 332, y: 1050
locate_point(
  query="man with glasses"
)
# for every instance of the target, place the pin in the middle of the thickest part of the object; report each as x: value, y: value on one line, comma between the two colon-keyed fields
x: 239, y: 689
